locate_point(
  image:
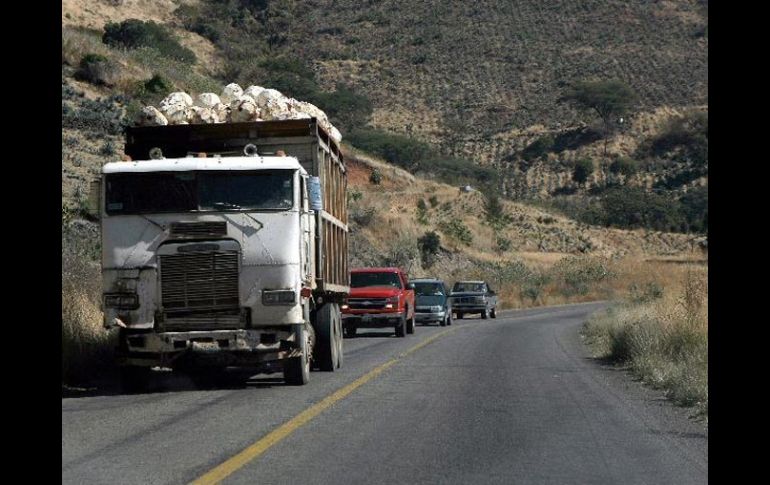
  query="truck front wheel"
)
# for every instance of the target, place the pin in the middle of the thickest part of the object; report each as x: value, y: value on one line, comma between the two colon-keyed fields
x: 493, y: 314
x: 328, y: 347
x: 296, y: 371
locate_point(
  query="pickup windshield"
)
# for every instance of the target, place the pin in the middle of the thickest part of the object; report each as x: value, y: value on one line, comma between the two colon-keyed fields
x: 470, y: 287
x: 361, y: 280
x: 153, y: 192
x: 428, y: 289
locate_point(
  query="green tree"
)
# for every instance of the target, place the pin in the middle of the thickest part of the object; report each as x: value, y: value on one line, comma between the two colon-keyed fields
x: 429, y: 245
x: 583, y: 169
x: 610, y: 100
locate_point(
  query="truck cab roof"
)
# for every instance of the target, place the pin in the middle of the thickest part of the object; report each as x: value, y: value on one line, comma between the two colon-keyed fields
x: 218, y: 163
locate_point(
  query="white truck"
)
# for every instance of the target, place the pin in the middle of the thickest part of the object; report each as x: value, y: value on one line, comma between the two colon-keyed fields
x: 226, y: 245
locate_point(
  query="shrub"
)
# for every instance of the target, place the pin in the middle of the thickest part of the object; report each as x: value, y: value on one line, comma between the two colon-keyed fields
x: 645, y: 293
x: 495, y: 213
x: 157, y: 84
x: 133, y: 33
x: 107, y: 149
x: 97, y: 69
x: 503, y: 244
x: 354, y: 195
x: 625, y: 166
x: 539, y: 147
x: 363, y: 217
x: 578, y: 275
x: 422, y: 212
x: 584, y: 167
x: 459, y: 231
x: 433, y: 201
x: 375, y: 177
x: 429, y: 245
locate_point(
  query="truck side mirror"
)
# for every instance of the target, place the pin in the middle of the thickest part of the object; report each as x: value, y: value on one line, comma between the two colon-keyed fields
x: 410, y: 286
x: 94, y: 199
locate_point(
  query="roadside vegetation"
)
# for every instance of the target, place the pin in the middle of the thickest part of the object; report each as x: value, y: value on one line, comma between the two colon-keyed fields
x: 659, y: 331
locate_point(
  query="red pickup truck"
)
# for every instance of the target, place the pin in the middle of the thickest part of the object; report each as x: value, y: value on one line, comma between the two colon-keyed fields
x: 379, y: 298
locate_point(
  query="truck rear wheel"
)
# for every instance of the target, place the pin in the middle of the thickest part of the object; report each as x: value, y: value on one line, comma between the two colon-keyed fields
x: 459, y: 315
x: 328, y: 329
x: 296, y: 371
x: 134, y: 379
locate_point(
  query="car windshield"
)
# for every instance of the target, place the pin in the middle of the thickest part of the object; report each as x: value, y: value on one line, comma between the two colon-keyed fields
x: 472, y: 287
x: 428, y: 289
x: 154, y: 192
x: 361, y: 280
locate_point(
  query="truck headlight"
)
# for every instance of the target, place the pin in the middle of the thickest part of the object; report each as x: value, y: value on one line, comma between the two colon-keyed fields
x: 390, y: 302
x: 278, y: 297
x: 435, y: 309
x: 125, y: 301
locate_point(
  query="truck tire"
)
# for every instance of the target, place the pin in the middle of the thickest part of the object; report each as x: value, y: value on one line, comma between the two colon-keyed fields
x: 484, y: 314
x: 401, y: 328
x: 449, y: 319
x: 410, y: 324
x: 493, y: 314
x: 443, y: 322
x: 328, y: 337
x: 459, y: 315
x: 134, y: 379
x: 296, y: 371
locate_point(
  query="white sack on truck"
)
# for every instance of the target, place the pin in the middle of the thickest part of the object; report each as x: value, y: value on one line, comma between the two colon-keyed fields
x: 244, y: 109
x: 150, y: 116
x: 203, y: 115
x: 254, y: 91
x: 207, y: 100
x: 231, y: 93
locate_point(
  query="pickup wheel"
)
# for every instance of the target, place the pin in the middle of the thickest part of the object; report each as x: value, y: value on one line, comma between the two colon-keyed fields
x: 443, y: 322
x: 134, y: 379
x: 328, y: 345
x: 484, y: 314
x: 449, y: 319
x: 493, y: 313
x: 459, y: 315
x: 410, y: 324
x: 296, y: 371
x: 401, y: 328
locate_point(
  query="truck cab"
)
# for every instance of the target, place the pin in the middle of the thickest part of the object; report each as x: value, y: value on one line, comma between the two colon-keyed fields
x: 379, y: 298
x: 475, y: 297
x: 213, y: 261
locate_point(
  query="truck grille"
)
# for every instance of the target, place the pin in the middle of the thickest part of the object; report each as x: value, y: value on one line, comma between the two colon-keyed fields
x: 199, y: 281
x: 366, y: 303
x: 198, y: 229
x: 422, y: 309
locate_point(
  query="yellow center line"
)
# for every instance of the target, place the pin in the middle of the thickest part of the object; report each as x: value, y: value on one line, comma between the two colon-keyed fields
x: 223, y: 470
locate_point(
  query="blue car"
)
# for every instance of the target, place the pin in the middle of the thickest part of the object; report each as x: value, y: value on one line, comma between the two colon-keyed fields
x: 432, y: 303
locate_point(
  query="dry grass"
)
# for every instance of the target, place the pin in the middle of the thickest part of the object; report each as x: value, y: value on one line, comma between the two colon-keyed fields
x: 663, y: 340
x: 87, y: 348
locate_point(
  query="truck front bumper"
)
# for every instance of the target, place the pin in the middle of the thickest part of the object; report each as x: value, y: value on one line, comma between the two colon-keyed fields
x: 429, y: 317
x: 469, y: 308
x: 218, y: 347
x: 371, y: 320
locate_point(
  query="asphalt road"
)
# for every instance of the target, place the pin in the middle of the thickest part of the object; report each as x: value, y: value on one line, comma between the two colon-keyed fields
x: 510, y: 400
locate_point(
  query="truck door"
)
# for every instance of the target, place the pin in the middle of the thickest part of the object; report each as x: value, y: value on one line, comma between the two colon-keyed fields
x: 306, y: 253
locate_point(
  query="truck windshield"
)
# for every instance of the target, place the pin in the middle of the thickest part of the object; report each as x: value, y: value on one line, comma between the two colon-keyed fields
x: 428, y: 289
x: 474, y: 287
x: 152, y: 192
x: 361, y: 280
